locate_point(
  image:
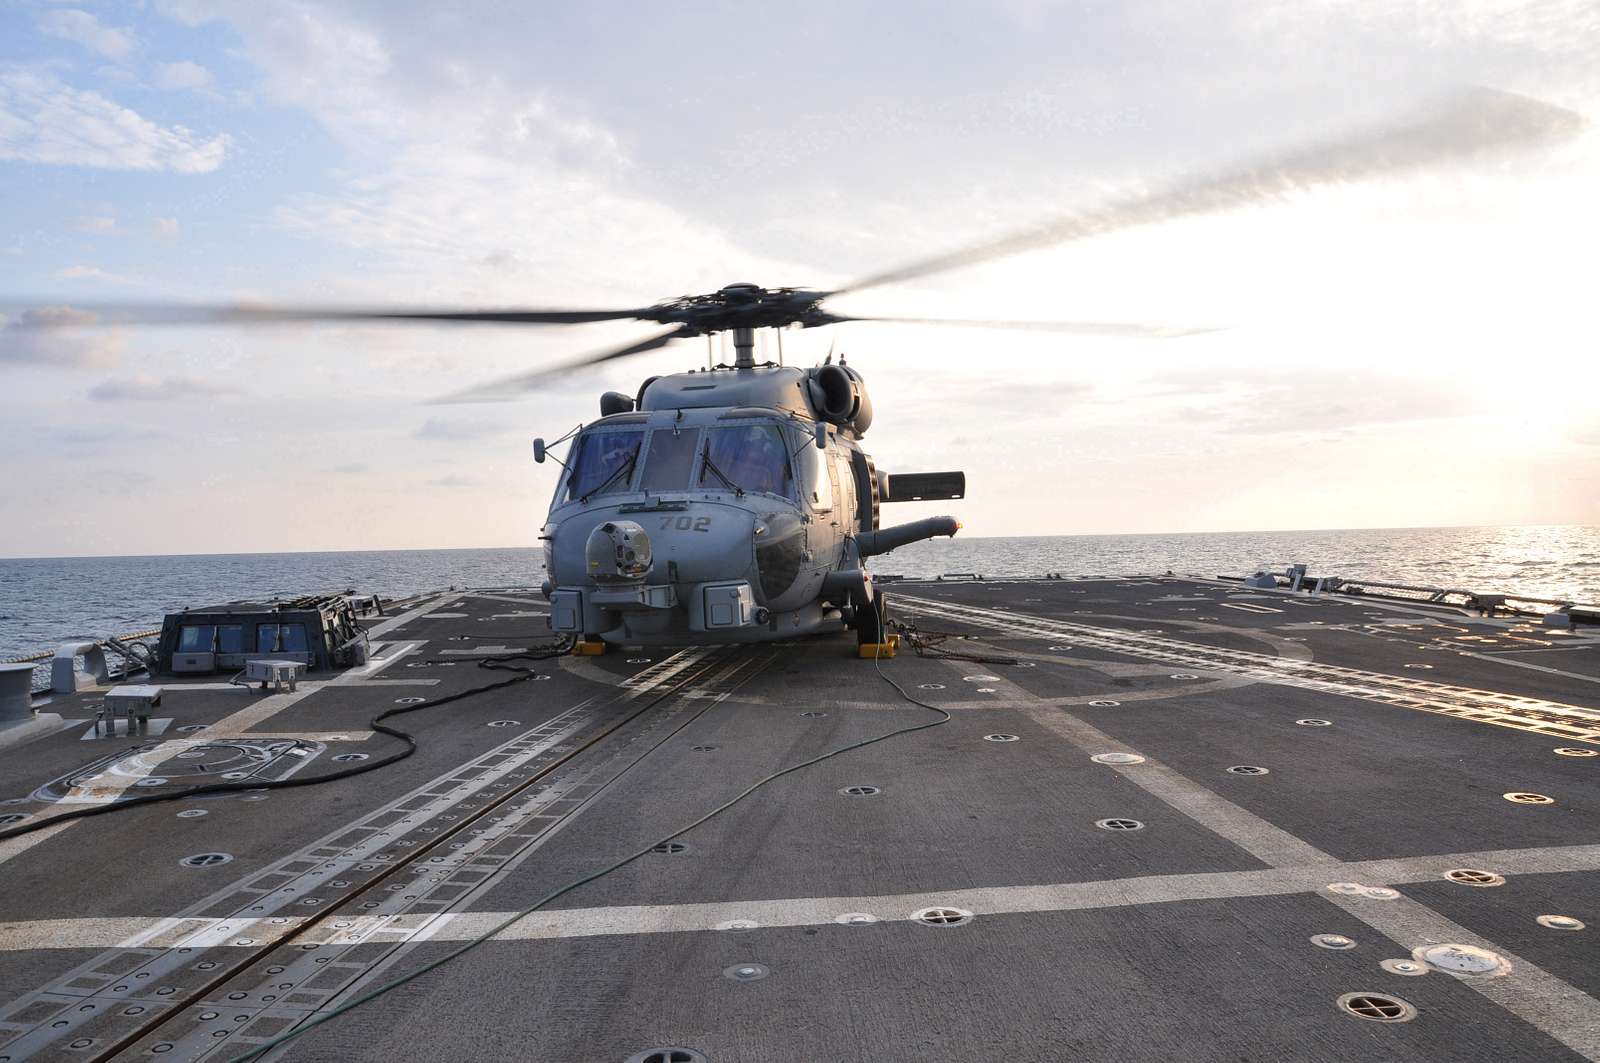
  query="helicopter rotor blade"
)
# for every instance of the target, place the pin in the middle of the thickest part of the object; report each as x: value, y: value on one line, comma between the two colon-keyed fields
x: 1121, y: 330
x: 508, y: 388
x: 1469, y: 123
x: 245, y: 314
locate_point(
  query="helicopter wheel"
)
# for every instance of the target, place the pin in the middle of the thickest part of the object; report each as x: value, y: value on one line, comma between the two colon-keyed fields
x: 872, y: 620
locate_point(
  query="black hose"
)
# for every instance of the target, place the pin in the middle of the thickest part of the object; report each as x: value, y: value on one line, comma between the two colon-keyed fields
x: 500, y: 663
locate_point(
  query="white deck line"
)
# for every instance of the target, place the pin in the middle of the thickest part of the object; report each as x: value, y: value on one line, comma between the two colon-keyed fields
x: 144, y: 931
x: 1532, y: 994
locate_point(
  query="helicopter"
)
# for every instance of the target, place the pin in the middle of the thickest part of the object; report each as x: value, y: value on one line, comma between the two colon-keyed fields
x: 735, y: 503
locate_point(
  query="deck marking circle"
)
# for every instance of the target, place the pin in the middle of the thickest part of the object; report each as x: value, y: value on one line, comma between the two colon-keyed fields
x: 1001, y: 738
x: 1409, y: 968
x: 855, y: 919
x: 1377, y: 1007
x: 942, y: 916
x: 153, y: 780
x: 346, y: 758
x: 409, y: 701
x: 1468, y: 961
x: 1104, y: 703
x: 191, y: 813
x: 1026, y: 664
x: 191, y: 727
x: 701, y: 749
x: 1575, y: 751
x: 1348, y: 889
x: 669, y: 1054
x: 1336, y: 942
x: 1560, y: 922
x: 1314, y: 723
x: 17, y: 817
x: 1249, y: 769
x: 1058, y: 649
x: 670, y: 848
x: 1119, y: 824
x: 1183, y: 675
x: 205, y: 860
x: 1117, y: 758
x: 861, y: 791
x: 504, y: 723
x: 1380, y: 893
x: 1522, y: 797
x: 813, y: 715
x: 930, y: 686
x: 746, y: 972
x: 738, y: 924
x: 638, y: 660
x: 1472, y: 876
x: 986, y: 690
x: 1420, y: 666
x: 980, y: 679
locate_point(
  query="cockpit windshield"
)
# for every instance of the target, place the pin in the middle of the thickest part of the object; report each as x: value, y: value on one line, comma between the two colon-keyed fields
x: 669, y: 459
x: 748, y: 457
x: 605, y: 462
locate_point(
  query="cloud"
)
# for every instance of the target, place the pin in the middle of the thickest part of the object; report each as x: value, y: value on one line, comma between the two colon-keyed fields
x: 149, y: 389
x: 46, y: 336
x: 43, y: 120
x: 355, y: 468
x: 83, y: 28
x: 1271, y: 401
x: 453, y: 481
x: 440, y: 430
x: 78, y: 273
x: 164, y: 228
x: 182, y: 75
x: 99, y: 224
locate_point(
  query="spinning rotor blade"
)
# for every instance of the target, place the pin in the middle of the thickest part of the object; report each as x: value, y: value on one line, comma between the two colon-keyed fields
x: 508, y: 388
x: 1082, y: 328
x: 245, y: 314
x: 1471, y: 122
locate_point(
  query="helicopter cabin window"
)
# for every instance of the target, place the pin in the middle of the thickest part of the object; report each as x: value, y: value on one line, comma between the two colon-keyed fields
x: 750, y: 457
x: 604, y: 462
x: 669, y: 459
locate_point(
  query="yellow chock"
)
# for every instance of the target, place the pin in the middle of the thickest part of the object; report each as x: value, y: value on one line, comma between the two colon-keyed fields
x: 877, y: 650
x: 589, y: 647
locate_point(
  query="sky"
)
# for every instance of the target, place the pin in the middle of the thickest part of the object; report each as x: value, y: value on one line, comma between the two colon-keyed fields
x: 1408, y: 351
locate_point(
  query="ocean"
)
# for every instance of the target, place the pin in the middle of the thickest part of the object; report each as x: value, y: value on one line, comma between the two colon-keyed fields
x: 45, y: 601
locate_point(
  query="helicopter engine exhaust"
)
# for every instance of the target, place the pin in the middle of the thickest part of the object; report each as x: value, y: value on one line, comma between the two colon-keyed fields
x: 839, y: 396
x: 869, y: 543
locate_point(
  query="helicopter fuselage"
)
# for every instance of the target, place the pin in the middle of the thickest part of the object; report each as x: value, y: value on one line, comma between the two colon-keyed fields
x: 726, y: 505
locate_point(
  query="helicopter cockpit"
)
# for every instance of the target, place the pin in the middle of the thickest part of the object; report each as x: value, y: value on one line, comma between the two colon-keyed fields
x: 762, y: 456
x: 671, y: 523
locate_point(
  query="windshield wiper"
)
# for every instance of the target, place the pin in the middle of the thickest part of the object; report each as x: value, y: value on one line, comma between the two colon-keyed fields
x: 625, y: 467
x: 738, y: 491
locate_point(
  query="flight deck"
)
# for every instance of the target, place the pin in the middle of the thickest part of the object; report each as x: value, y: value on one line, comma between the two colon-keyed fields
x: 1113, y: 818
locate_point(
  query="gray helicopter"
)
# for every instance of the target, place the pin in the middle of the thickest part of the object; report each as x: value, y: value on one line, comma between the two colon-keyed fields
x: 735, y: 503
x: 731, y: 504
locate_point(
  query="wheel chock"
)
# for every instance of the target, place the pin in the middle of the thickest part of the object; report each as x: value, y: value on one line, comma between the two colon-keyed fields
x: 589, y: 647
x: 875, y: 650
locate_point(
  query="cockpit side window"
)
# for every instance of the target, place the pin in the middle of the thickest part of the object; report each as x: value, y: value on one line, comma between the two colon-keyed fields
x: 605, y: 462
x: 817, y: 487
x: 669, y: 459
x: 748, y: 457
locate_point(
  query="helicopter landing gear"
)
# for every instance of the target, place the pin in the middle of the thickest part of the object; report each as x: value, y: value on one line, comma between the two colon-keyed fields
x: 871, y: 622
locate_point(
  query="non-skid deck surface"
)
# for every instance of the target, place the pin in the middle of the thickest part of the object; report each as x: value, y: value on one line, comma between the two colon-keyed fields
x: 1377, y: 743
